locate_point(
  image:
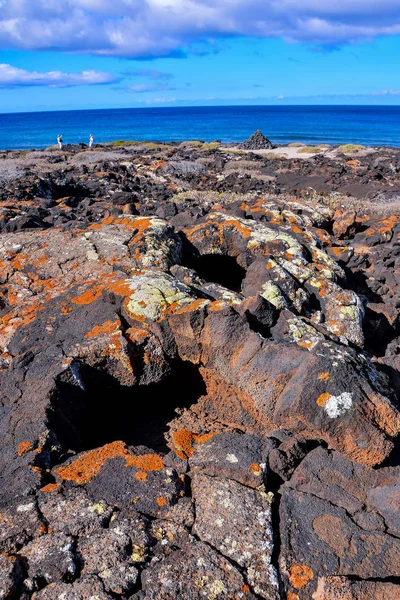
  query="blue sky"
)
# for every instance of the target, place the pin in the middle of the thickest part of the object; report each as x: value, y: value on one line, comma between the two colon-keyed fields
x: 100, y: 54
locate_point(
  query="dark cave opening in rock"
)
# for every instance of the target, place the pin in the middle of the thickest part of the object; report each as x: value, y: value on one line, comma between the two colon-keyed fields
x: 312, y: 305
x: 218, y: 268
x: 106, y: 411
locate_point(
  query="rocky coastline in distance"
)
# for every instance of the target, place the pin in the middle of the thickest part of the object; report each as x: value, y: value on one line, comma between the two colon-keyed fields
x: 200, y: 372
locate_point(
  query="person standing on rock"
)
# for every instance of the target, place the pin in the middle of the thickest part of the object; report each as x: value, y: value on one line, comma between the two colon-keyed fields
x: 59, y: 141
x: 91, y: 140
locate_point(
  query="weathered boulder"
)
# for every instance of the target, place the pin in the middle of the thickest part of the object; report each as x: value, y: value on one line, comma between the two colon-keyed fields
x: 237, y: 521
x: 338, y: 518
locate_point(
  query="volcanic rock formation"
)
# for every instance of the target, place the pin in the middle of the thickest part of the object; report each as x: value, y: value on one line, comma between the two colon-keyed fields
x: 257, y: 141
x: 199, y: 378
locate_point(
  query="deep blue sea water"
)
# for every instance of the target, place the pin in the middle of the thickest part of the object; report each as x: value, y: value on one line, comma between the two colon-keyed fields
x: 368, y: 125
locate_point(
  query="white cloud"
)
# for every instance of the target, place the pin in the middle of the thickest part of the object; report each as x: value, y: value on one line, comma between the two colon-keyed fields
x: 12, y: 76
x: 150, y: 73
x: 146, y: 28
x: 150, y: 87
x: 386, y: 93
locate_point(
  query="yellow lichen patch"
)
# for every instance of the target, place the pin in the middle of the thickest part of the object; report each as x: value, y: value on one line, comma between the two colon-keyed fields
x: 300, y: 575
x: 184, y: 441
x: 23, y: 448
x: 89, y: 464
x: 161, y: 501
x: 106, y: 327
x: 323, y: 399
x: 325, y: 376
x: 50, y: 487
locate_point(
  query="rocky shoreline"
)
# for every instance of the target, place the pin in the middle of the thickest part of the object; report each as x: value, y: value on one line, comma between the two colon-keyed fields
x: 200, y: 372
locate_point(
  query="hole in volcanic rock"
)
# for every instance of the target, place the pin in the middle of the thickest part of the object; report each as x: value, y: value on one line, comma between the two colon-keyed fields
x: 107, y: 411
x: 312, y: 305
x: 217, y: 268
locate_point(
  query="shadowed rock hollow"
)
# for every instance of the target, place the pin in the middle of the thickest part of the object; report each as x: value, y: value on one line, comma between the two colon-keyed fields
x: 199, y: 373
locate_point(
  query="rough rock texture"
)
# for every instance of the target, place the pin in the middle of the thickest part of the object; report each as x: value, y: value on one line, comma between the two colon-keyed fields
x: 200, y: 375
x: 338, y: 588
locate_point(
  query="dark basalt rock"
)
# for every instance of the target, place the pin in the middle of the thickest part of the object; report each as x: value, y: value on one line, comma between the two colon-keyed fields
x: 257, y: 141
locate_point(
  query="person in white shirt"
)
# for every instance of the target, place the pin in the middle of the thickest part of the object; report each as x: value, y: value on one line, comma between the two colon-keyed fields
x: 91, y: 140
x: 59, y: 141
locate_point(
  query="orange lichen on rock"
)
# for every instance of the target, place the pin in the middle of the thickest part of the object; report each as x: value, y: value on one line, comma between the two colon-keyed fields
x: 89, y: 296
x: 300, y: 575
x: 306, y: 344
x: 136, y: 335
x: 23, y: 448
x: 122, y: 287
x: 385, y: 226
x: 50, y: 487
x: 323, y: 399
x: 161, y: 501
x: 338, y: 251
x: 105, y: 221
x: 184, y: 441
x: 324, y: 376
x: 106, y: 327
x: 17, y: 263
x: 146, y: 462
x: 256, y: 469
x: 195, y: 305
x: 141, y: 476
x: 89, y: 464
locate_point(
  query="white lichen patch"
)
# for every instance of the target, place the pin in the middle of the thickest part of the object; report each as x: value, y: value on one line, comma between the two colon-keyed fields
x: 231, y: 458
x: 337, y: 406
x: 25, y: 507
x: 303, y: 334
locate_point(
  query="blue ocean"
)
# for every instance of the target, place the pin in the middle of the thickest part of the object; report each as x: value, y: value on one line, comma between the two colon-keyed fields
x: 368, y: 125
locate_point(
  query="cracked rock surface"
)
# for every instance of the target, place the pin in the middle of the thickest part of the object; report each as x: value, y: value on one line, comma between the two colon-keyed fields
x: 199, y: 374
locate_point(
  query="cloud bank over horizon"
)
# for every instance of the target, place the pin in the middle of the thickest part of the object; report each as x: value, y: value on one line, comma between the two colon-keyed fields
x: 156, y: 28
x: 14, y: 77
